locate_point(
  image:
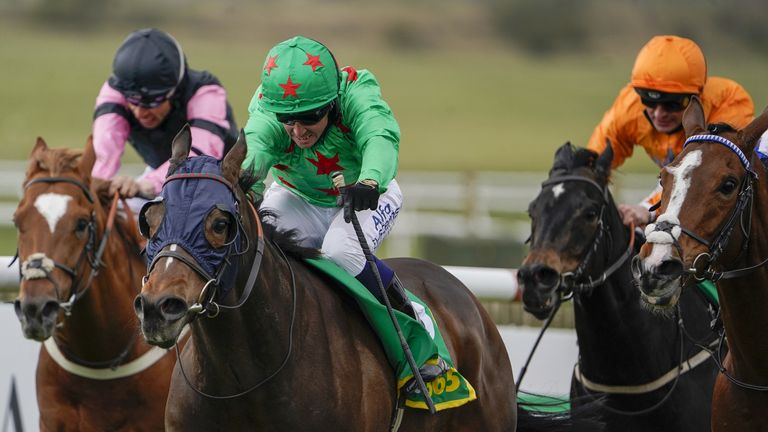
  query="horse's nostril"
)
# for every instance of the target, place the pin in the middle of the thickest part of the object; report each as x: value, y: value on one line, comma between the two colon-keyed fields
x: 138, y: 305
x: 17, y: 307
x: 670, y: 268
x: 173, y: 308
x: 636, y: 267
x: 547, y: 276
x: 50, y: 308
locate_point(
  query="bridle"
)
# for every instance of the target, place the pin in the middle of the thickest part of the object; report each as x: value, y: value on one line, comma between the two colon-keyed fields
x: 745, y: 200
x: 206, y: 304
x: 567, y: 286
x: 567, y: 283
x: 39, y: 266
x: 716, y: 247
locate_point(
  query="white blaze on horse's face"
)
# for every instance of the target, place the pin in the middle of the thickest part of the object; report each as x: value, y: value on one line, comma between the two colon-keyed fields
x: 681, y: 182
x: 170, y: 259
x: 558, y: 190
x: 52, y: 207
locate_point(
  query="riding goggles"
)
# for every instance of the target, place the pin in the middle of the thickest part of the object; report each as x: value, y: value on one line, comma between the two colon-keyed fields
x: 306, y: 118
x: 672, y: 102
x: 147, y: 99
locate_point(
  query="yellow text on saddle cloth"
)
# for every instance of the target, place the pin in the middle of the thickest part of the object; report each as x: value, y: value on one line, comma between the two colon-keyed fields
x: 449, y: 389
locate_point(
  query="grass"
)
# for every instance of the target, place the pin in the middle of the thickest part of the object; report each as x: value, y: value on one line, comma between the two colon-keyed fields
x: 472, y: 108
x: 461, y: 107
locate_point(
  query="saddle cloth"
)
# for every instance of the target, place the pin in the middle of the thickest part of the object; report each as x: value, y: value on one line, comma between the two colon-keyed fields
x: 449, y: 389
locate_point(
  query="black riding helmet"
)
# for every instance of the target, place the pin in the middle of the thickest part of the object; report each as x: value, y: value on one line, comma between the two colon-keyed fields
x: 148, y: 67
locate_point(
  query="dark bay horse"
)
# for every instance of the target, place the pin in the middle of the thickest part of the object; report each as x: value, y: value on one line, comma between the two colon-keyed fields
x: 580, y: 248
x: 712, y: 225
x: 94, y: 372
x: 289, y: 352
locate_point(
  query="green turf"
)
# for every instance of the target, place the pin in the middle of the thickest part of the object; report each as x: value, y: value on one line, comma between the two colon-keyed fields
x: 468, y: 108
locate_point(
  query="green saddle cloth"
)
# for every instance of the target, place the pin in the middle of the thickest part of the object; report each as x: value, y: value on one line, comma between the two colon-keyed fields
x: 448, y: 390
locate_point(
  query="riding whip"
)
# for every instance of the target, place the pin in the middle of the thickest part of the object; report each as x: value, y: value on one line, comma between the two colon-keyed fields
x: 338, y: 181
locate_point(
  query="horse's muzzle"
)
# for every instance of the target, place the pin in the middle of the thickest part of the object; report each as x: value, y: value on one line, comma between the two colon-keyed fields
x: 161, y: 319
x: 539, y: 284
x: 659, y: 285
x: 38, y: 316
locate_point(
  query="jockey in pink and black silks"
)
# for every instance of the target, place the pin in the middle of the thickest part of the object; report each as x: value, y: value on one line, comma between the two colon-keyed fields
x: 150, y: 96
x: 309, y: 119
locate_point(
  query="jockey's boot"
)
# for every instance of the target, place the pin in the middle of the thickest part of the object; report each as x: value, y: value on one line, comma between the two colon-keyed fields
x: 394, y: 288
x: 399, y: 299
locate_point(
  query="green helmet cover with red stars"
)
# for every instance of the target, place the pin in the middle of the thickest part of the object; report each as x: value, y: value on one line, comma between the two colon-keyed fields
x: 299, y: 74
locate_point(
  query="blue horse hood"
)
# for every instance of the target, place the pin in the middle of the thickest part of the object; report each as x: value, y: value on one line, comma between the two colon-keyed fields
x: 194, y: 189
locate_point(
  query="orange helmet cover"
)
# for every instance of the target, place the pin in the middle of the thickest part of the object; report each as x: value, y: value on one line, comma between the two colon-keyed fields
x: 670, y: 64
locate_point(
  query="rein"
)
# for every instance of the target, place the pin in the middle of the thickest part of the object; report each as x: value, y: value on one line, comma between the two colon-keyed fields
x: 673, y: 376
x: 567, y: 286
x: 244, y: 297
x: 207, y: 306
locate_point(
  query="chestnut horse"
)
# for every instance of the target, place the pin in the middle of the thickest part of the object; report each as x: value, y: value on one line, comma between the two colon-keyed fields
x: 651, y: 377
x: 94, y: 372
x: 712, y: 225
x: 290, y: 352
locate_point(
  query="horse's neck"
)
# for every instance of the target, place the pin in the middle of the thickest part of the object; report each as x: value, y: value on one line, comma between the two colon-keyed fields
x: 744, y: 300
x: 260, y: 328
x: 103, y: 323
x: 611, y: 324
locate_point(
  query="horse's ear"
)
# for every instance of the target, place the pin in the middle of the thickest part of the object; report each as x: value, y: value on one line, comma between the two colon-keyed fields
x: 693, y: 117
x: 36, y: 155
x: 752, y: 132
x: 88, y: 158
x: 603, y: 166
x: 230, y: 167
x: 40, y: 146
x: 563, y: 157
x: 182, y: 143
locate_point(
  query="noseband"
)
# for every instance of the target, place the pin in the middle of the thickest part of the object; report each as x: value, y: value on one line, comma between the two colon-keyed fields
x: 670, y: 228
x: 38, y: 266
x: 567, y: 284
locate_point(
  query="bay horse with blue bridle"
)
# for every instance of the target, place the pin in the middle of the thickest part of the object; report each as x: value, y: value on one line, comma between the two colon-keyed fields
x: 651, y: 377
x: 712, y: 225
x: 80, y: 270
x: 284, y: 349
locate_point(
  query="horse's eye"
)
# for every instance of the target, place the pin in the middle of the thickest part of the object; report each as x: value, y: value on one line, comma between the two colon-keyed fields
x: 220, y: 226
x: 591, y: 214
x: 728, y: 186
x: 81, y: 225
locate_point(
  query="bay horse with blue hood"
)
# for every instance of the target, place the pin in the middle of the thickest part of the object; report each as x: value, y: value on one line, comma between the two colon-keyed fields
x: 284, y: 349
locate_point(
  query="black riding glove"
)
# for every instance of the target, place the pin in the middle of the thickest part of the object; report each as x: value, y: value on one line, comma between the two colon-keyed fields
x: 359, y: 196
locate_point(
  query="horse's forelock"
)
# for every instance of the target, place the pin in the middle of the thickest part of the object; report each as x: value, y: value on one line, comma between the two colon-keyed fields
x: 55, y: 162
x: 581, y: 158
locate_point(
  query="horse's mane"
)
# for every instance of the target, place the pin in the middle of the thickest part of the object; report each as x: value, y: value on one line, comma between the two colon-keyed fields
x: 288, y: 240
